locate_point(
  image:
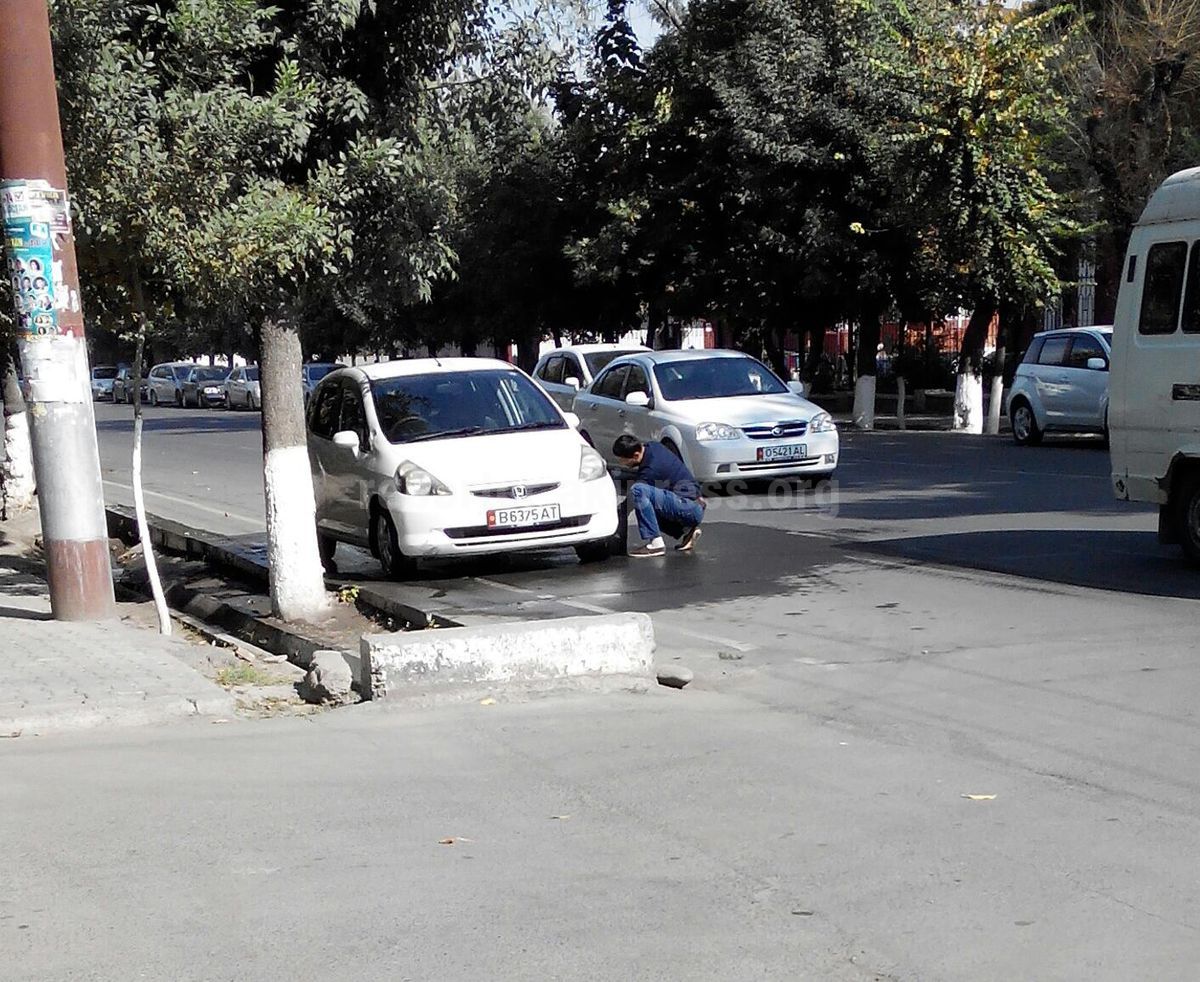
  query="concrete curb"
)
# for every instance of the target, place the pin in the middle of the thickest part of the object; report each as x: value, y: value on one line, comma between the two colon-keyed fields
x: 529, y: 651
x: 69, y: 717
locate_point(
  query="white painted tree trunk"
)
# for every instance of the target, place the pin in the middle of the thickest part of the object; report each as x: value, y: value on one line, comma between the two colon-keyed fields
x: 139, y: 508
x: 296, y: 575
x: 18, y: 462
x: 968, y: 404
x: 996, y: 401
x: 864, y: 402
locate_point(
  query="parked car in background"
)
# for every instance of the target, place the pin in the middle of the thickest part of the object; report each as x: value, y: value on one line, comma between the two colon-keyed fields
x: 103, y: 377
x: 242, y: 388
x: 313, y: 372
x: 164, y: 384
x: 724, y: 413
x: 564, y: 371
x: 204, y: 385
x: 1061, y: 384
x: 452, y: 457
x: 123, y: 386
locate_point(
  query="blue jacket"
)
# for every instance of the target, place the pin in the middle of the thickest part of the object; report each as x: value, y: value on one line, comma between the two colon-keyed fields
x: 662, y: 469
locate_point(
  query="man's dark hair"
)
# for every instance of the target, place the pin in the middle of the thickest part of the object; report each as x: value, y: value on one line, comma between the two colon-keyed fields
x: 626, y: 447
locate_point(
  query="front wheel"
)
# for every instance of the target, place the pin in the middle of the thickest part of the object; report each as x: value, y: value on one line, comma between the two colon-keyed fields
x: 593, y: 552
x: 1025, y: 429
x: 1187, y: 516
x: 387, y: 545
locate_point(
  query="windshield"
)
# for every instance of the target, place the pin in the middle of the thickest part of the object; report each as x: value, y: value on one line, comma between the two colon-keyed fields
x: 318, y: 372
x: 180, y: 371
x: 252, y: 374
x: 432, y: 407
x: 210, y: 374
x: 716, y: 378
x: 99, y: 373
x: 599, y: 360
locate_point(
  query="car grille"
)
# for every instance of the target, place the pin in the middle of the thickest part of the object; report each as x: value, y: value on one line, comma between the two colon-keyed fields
x: 776, y: 431
x: 484, y: 532
x: 527, y: 491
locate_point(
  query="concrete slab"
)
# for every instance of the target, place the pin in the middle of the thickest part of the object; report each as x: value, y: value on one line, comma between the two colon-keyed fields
x: 564, y: 648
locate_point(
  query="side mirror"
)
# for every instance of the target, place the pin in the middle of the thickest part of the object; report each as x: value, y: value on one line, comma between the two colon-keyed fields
x: 572, y: 420
x: 346, y: 440
x: 638, y: 400
x: 1097, y: 365
x: 573, y: 382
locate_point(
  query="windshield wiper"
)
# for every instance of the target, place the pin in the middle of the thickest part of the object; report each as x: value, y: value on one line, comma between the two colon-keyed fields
x: 464, y: 431
x: 544, y: 425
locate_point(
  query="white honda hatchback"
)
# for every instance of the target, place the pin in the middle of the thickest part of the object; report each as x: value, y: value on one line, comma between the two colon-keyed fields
x: 451, y: 457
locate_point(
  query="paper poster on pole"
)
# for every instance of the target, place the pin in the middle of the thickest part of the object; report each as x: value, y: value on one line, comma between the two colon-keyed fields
x: 33, y: 213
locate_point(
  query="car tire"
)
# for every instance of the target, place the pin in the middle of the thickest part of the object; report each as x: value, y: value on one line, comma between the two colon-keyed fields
x: 326, y: 548
x: 1187, y: 515
x: 387, y: 546
x: 593, y: 552
x: 1025, y: 430
x: 153, y: 399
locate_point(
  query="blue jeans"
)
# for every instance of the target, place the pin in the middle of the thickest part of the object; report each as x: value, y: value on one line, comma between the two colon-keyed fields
x: 652, y: 504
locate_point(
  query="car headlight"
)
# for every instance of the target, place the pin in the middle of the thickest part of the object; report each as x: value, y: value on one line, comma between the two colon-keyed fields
x: 717, y: 431
x: 414, y: 480
x: 822, y: 423
x: 591, y: 465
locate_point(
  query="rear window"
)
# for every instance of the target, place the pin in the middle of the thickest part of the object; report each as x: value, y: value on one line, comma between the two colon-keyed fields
x: 1053, y: 351
x: 104, y: 373
x: 1163, y: 288
x: 1191, y: 296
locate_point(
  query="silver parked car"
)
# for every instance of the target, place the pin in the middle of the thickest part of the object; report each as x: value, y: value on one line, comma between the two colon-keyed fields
x: 164, y: 384
x: 726, y: 414
x: 103, y: 377
x: 564, y: 371
x: 205, y: 386
x: 1062, y: 384
x: 242, y: 388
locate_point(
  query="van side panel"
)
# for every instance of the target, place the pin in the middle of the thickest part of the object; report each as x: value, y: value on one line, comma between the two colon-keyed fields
x: 1151, y: 420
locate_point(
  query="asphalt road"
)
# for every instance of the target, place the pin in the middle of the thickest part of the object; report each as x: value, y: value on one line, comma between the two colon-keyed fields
x: 961, y: 618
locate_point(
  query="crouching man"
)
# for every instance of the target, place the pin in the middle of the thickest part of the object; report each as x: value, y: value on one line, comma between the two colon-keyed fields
x: 664, y: 496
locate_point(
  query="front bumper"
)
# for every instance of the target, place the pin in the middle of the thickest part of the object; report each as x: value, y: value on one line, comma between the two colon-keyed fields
x: 726, y: 460
x: 216, y: 398
x: 456, y: 525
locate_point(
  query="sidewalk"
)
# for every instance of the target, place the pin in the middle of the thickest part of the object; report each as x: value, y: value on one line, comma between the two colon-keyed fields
x: 59, y: 676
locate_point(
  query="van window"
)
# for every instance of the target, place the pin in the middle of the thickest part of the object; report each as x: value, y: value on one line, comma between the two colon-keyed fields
x: 1163, y: 288
x: 1053, y: 350
x: 1033, y: 351
x: 1191, y: 296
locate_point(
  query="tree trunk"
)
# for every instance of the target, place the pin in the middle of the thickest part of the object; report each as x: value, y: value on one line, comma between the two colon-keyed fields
x: 997, y: 395
x: 528, y: 352
x: 657, y: 320
x: 968, y: 391
x: 864, y: 387
x: 16, y: 467
x: 296, y: 578
x: 139, y: 497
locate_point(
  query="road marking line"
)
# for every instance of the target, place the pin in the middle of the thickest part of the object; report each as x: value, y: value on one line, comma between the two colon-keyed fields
x: 257, y: 523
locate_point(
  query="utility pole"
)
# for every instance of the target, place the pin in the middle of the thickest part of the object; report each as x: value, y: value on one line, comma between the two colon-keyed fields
x: 40, y: 254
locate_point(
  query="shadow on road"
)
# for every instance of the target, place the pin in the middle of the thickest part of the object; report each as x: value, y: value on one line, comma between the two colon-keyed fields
x: 188, y: 421
x: 1127, y: 562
